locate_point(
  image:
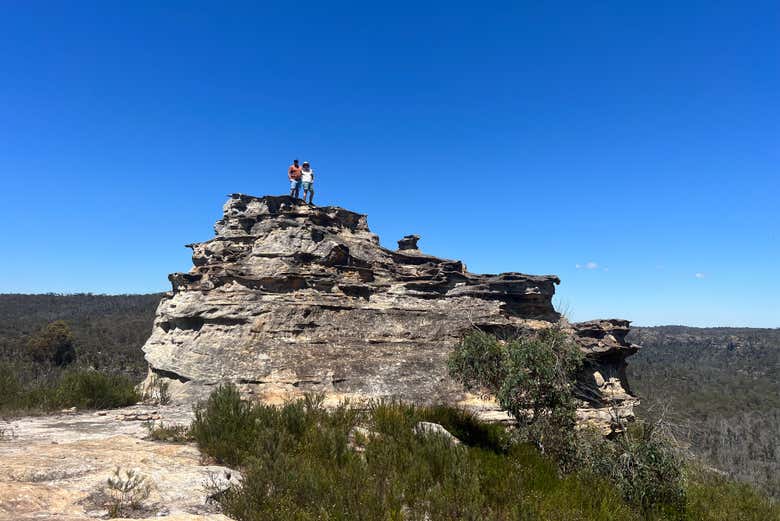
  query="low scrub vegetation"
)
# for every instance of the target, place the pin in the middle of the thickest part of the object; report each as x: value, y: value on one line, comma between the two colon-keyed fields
x: 168, y: 433
x: 126, y: 490
x: 302, y: 461
x: 78, y: 387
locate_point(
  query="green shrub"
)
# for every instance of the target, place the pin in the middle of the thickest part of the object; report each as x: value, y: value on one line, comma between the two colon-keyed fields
x: 531, y: 376
x: 225, y: 426
x: 126, y: 491
x: 644, y: 464
x: 81, y: 388
x: 168, y: 433
x: 10, y: 387
x: 89, y: 389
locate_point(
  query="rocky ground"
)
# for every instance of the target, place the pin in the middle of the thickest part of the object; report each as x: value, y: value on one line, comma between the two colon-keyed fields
x: 57, y: 467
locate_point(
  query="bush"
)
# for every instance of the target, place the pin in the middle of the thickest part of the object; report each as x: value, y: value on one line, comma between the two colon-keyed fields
x: 531, y: 376
x: 642, y: 462
x: 10, y: 387
x: 53, y: 345
x: 225, y: 426
x: 168, y: 433
x: 126, y: 491
x: 81, y: 388
x: 88, y: 389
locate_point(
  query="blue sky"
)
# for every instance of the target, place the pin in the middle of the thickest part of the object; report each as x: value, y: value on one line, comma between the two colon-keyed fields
x: 624, y: 146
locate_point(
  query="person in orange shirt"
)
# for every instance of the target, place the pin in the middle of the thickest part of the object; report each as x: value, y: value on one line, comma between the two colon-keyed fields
x: 294, y: 175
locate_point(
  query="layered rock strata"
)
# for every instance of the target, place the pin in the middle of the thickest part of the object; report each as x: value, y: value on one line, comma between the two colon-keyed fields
x: 290, y: 297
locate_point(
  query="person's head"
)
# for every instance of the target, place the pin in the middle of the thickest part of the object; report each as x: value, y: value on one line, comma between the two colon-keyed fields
x: 305, y: 164
x: 295, y: 162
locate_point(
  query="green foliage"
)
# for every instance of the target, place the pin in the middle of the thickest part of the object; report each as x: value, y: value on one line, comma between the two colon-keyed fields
x: 642, y: 462
x: 531, y: 377
x: 714, y: 498
x: 81, y: 388
x: 168, y: 433
x: 480, y: 362
x: 225, y: 426
x: 126, y: 491
x: 53, y: 345
x: 88, y: 389
x: 301, y: 461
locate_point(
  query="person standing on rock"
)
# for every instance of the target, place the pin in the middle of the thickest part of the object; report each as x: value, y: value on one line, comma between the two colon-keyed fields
x: 307, y: 178
x: 294, y: 174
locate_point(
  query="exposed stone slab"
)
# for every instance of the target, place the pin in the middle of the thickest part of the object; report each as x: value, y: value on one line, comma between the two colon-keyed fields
x: 56, y: 467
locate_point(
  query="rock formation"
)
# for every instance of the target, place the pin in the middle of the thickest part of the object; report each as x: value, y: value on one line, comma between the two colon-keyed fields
x: 290, y: 297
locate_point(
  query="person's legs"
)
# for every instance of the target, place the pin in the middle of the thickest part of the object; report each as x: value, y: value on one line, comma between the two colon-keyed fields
x: 311, y: 193
x: 295, y: 188
x: 307, y: 190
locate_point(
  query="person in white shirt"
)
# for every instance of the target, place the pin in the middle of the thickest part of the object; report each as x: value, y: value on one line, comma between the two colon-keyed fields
x: 307, y: 180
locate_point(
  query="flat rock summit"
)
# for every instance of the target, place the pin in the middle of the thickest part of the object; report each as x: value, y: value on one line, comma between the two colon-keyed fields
x: 290, y: 297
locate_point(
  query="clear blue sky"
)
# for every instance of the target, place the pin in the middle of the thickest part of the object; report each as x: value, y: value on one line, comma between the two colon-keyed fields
x: 636, y: 140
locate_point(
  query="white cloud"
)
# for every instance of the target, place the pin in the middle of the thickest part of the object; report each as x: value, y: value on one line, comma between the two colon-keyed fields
x: 588, y: 266
x: 699, y: 275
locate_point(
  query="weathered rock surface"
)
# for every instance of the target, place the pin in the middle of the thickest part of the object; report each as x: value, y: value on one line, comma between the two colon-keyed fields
x: 290, y: 297
x: 56, y: 467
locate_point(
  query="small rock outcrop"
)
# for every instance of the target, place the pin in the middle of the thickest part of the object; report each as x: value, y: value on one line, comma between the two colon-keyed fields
x: 290, y: 297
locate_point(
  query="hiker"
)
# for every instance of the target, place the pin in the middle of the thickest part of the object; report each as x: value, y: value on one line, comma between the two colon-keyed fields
x: 307, y: 179
x: 294, y: 174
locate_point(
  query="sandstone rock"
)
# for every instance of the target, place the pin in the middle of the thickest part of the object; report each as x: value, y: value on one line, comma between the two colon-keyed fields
x: 55, y: 467
x: 434, y: 429
x: 290, y: 297
x: 409, y: 242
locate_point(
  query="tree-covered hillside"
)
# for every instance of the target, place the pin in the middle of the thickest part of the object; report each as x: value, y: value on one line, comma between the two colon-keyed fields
x: 108, y: 330
x: 720, y: 387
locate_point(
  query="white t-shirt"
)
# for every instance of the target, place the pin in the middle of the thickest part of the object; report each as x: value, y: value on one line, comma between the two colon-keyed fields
x: 307, y: 176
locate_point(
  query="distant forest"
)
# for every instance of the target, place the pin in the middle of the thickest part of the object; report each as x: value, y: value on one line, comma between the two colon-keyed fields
x: 108, y: 330
x: 718, y: 387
